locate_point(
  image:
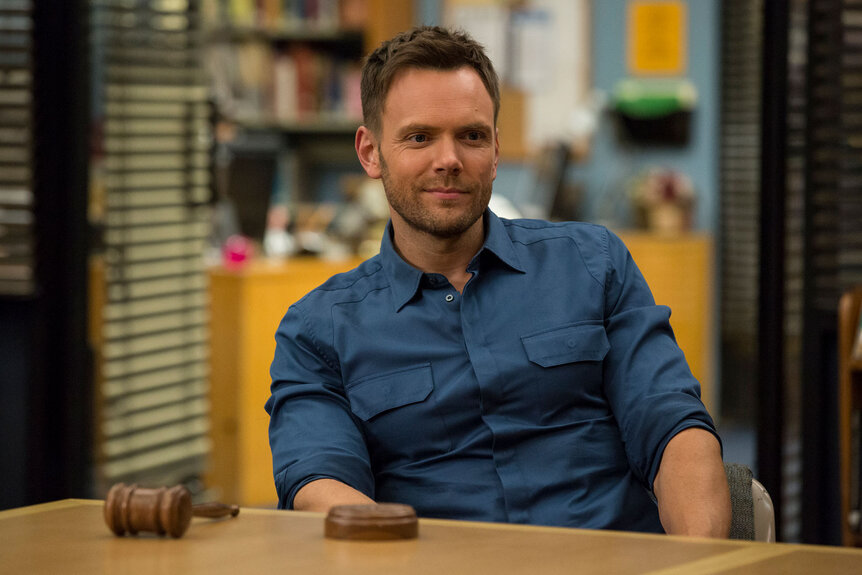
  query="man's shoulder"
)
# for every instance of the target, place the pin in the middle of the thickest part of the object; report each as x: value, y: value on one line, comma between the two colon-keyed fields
x: 346, y: 286
x: 553, y: 243
x: 532, y: 230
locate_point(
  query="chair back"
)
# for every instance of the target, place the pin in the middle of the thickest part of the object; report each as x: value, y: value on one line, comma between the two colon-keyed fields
x: 753, y: 516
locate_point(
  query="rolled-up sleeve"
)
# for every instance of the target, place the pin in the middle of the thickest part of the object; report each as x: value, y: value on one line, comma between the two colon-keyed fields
x: 649, y: 385
x: 312, y: 432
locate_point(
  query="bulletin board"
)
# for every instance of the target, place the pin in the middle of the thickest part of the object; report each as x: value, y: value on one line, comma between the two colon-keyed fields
x: 540, y: 48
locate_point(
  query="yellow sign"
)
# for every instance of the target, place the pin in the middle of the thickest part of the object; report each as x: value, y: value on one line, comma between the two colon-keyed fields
x: 657, y: 38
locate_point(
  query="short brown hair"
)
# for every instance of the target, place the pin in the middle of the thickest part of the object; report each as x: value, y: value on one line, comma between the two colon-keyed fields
x: 427, y: 47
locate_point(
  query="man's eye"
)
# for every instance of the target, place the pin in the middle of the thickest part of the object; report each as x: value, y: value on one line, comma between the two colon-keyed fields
x: 474, y: 135
x: 419, y: 138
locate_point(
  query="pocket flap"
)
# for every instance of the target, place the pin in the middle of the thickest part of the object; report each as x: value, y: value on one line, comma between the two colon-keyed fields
x: 585, y: 342
x: 376, y: 394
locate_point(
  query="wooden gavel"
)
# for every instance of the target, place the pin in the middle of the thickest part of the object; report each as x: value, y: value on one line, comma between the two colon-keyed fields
x: 130, y: 509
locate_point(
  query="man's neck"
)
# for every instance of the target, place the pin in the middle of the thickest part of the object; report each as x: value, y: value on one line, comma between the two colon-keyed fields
x: 446, y: 256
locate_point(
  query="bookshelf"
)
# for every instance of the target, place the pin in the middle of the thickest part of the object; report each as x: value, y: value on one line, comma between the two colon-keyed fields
x: 850, y: 426
x: 288, y: 72
x: 268, y: 77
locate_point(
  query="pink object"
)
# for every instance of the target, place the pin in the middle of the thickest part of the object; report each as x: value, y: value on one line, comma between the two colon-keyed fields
x: 237, y: 250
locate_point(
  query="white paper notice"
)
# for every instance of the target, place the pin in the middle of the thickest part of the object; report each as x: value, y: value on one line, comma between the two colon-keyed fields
x: 560, y: 63
x: 533, y: 50
x: 488, y: 25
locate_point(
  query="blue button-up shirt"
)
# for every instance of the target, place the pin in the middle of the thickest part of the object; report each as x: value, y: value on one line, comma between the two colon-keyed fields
x: 545, y: 393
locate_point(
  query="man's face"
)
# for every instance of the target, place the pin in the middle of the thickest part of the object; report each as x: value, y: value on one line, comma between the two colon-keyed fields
x: 437, y: 150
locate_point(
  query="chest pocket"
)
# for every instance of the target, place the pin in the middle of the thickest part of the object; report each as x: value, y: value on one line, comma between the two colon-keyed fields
x: 565, y: 371
x: 399, y: 414
x: 569, y: 344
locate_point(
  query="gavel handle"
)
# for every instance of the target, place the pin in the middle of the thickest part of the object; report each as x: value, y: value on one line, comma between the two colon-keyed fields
x: 214, y: 510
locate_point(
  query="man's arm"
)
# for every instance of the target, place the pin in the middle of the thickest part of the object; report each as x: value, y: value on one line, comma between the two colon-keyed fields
x: 321, y: 494
x: 308, y: 401
x: 691, y: 486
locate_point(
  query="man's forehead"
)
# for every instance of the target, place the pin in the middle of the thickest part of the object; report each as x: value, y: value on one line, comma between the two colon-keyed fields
x: 428, y: 71
x: 430, y: 78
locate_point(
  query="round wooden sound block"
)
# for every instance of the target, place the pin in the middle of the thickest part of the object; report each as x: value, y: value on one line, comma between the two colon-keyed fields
x: 373, y: 522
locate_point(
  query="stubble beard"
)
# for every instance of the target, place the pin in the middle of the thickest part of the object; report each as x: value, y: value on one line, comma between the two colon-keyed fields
x: 446, y: 223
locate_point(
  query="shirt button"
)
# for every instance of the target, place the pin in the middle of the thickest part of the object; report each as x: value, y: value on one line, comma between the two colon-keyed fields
x: 571, y: 342
x: 449, y: 297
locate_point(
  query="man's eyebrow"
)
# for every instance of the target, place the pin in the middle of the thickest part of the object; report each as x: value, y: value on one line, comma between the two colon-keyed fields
x: 477, y: 126
x: 410, y: 128
x: 474, y: 126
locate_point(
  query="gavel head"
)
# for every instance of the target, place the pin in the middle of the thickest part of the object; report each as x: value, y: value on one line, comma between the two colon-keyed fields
x: 130, y: 509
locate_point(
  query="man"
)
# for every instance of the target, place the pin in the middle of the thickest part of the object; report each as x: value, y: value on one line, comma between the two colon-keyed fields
x: 479, y: 368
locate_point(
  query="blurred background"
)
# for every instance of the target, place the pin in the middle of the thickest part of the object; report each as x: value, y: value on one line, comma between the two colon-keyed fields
x: 175, y: 173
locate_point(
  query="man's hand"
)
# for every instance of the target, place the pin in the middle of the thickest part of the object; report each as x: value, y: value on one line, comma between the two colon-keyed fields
x: 691, y: 486
x: 321, y: 494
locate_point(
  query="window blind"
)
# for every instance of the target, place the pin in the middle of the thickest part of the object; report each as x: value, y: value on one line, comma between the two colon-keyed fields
x: 742, y: 23
x: 17, y: 259
x: 742, y: 144
x: 831, y: 243
x: 793, y: 269
x: 150, y: 193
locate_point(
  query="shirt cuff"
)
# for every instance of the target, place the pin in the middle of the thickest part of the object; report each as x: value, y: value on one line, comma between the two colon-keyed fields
x: 290, y: 480
x: 287, y: 501
x: 681, y: 426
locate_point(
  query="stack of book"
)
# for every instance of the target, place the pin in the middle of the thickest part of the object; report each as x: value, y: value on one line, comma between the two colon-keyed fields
x: 259, y: 81
x: 278, y: 15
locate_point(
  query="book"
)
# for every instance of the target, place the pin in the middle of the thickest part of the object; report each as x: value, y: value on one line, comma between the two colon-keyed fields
x: 307, y: 85
x: 285, y: 87
x: 855, y: 511
x: 857, y: 341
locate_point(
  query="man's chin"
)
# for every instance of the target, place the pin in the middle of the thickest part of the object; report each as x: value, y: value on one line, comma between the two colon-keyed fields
x: 444, y: 228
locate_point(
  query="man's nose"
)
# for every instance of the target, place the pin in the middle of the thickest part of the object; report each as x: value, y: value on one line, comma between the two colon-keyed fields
x: 448, y: 158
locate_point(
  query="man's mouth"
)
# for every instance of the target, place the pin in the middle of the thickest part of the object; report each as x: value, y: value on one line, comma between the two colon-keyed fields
x: 446, y: 193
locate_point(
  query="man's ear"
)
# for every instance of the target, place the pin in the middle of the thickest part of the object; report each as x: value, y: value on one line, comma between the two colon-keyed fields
x: 496, y: 150
x: 366, y: 150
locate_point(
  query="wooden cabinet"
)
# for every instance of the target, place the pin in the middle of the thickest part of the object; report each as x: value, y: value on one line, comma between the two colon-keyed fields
x: 850, y: 406
x: 246, y: 306
x: 680, y: 272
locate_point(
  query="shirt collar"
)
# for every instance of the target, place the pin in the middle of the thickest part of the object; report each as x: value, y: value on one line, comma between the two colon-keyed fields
x: 405, y: 279
x: 498, y: 242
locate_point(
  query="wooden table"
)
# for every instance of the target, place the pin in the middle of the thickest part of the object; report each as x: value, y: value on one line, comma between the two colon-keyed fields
x: 70, y: 536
